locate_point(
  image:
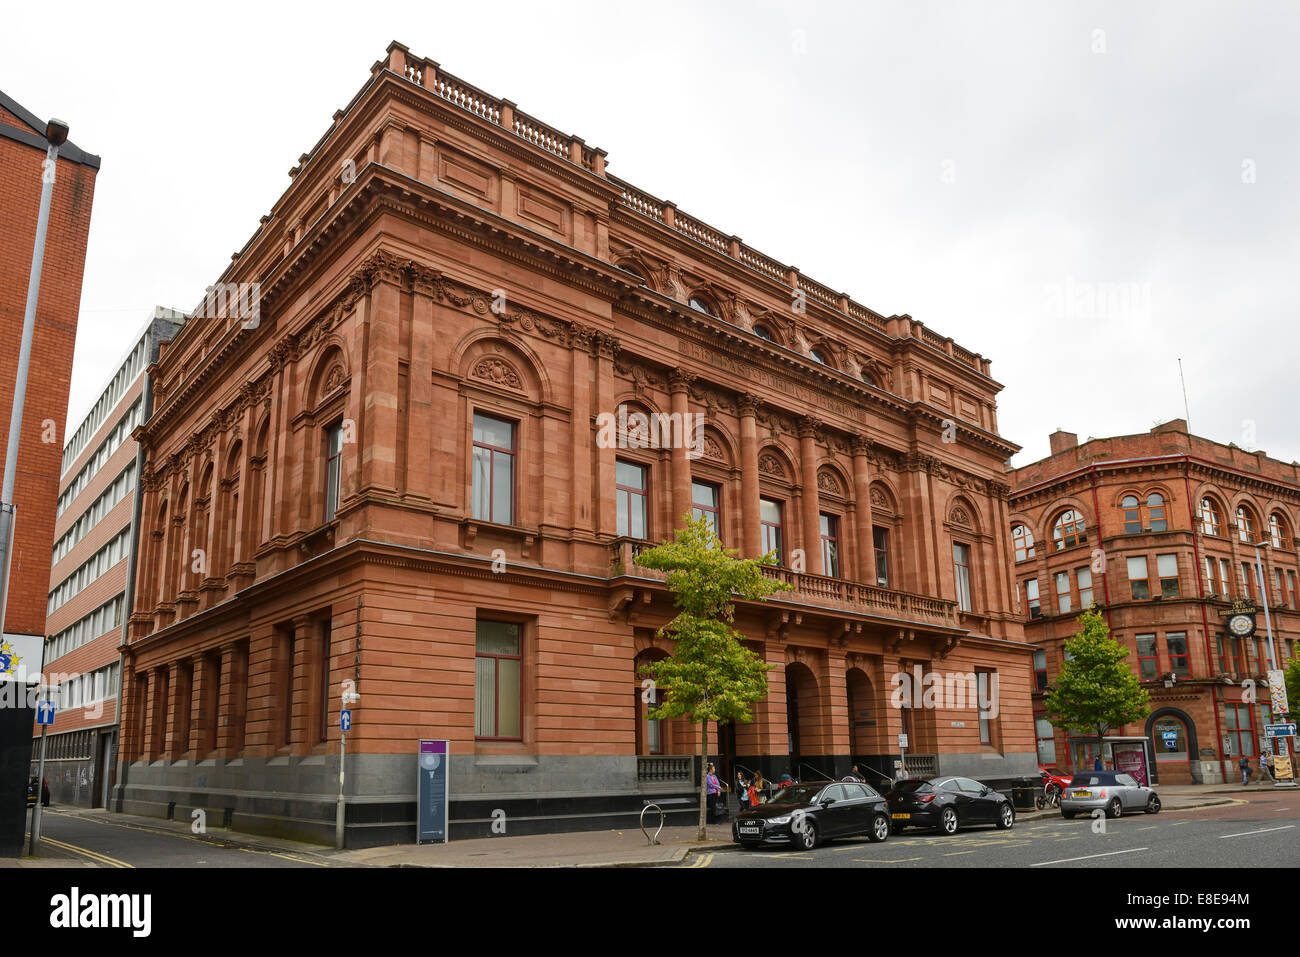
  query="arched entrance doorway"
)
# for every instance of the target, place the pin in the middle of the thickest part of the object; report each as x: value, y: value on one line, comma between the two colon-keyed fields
x: 803, y: 720
x: 1173, y: 742
x: 862, y: 713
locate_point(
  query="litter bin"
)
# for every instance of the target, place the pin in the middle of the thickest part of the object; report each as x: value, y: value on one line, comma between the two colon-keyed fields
x: 1022, y: 793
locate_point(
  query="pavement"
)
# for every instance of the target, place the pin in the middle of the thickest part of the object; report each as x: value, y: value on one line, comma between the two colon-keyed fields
x: 602, y: 848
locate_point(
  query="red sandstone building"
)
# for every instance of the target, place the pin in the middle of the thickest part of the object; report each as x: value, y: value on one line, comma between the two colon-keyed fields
x: 1174, y: 516
x: 394, y: 477
x: 88, y: 584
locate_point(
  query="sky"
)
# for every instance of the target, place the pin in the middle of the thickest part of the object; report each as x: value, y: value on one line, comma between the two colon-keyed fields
x: 1084, y: 192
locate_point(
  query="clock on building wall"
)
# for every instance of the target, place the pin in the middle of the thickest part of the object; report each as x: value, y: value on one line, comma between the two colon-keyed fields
x: 1241, y: 624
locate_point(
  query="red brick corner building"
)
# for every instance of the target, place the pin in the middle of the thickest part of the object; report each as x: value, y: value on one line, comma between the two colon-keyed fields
x: 1175, y: 517
x: 392, y: 476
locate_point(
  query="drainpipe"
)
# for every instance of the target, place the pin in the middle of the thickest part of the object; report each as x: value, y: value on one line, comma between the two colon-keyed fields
x: 1205, y: 616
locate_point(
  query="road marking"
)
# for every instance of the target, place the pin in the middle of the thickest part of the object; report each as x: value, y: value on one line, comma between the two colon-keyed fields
x: 1149, y: 827
x: 881, y: 860
x: 702, y: 861
x: 1266, y: 830
x: 93, y: 855
x: 1180, y: 823
x: 1067, y: 860
x: 958, y: 853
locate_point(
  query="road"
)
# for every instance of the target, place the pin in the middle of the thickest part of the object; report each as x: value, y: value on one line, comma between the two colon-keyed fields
x: 1259, y: 830
x: 117, y: 844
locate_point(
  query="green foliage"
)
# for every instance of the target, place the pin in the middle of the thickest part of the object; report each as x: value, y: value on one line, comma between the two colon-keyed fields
x: 710, y: 676
x: 1292, y: 676
x: 1096, y: 690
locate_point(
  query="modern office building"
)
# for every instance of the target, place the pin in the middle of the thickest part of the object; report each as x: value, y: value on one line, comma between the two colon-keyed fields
x: 1158, y: 529
x: 88, y: 584
x: 36, y: 489
x: 392, y: 458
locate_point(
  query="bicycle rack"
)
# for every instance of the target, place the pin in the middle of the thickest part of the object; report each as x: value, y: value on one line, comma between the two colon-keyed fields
x: 653, y: 840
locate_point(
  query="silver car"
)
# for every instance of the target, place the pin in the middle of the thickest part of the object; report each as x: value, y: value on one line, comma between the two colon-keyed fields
x: 1112, y: 791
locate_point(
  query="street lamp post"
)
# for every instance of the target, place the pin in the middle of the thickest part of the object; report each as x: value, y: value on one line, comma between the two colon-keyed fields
x: 1282, y: 743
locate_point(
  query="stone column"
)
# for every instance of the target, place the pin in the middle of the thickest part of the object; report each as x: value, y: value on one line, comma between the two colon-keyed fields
x: 178, y: 707
x: 304, y: 645
x: 581, y: 513
x: 835, y: 706
x: 420, y: 422
x: 679, y: 383
x: 606, y: 505
x: 863, y: 527
x: 232, y: 700
x: 260, y: 723
x: 750, y: 509
x: 812, y: 543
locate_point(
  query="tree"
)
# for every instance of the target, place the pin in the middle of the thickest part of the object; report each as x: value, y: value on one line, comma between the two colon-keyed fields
x: 1096, y: 690
x: 1292, y: 676
x: 710, y: 675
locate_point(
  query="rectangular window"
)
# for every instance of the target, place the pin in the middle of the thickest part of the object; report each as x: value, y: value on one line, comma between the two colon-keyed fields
x: 1179, y: 662
x: 1031, y: 594
x: 830, y: 533
x: 705, y: 498
x: 880, y: 538
x: 984, y: 680
x: 1084, y: 575
x: 1148, y: 659
x: 1247, y: 581
x: 961, y: 565
x: 1167, y: 569
x: 1238, y: 731
x: 630, y: 490
x: 1223, y: 578
x: 496, y: 680
x: 1290, y: 591
x: 1279, y: 587
x: 333, y: 469
x: 1137, y: 577
x: 769, y: 519
x: 1063, y: 592
x: 1040, y: 670
x: 494, y: 470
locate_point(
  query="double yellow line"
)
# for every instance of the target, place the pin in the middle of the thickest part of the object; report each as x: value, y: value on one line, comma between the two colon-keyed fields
x: 93, y: 855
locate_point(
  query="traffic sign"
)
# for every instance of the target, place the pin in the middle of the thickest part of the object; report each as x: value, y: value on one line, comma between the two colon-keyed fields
x: 902, y: 741
x: 45, y: 712
x: 345, y: 720
x: 1280, y: 730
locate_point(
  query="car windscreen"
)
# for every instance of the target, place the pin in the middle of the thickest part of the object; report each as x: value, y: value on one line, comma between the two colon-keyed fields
x: 1087, y: 780
x: 908, y: 787
x: 795, y: 794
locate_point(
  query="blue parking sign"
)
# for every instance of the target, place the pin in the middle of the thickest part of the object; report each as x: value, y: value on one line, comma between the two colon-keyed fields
x: 345, y: 720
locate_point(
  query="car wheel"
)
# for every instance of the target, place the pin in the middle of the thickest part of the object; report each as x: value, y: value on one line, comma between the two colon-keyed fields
x: 1069, y: 815
x: 1006, y: 817
x: 1115, y: 808
x: 808, y: 835
x: 948, y: 822
x: 1153, y: 804
x: 879, y: 828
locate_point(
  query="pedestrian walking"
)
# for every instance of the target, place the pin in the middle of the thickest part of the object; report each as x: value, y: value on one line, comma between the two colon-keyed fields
x: 756, y: 788
x: 1244, y: 763
x: 712, y: 788
x: 1266, y: 768
x: 854, y: 775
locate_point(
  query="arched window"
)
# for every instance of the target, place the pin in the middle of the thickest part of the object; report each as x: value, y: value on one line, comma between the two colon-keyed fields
x: 818, y: 356
x: 870, y: 380
x: 763, y: 332
x: 702, y: 305
x: 1156, y: 520
x: 1023, y: 540
x: 1069, y: 530
x: 1132, y: 515
x: 1211, y: 522
x: 1278, y: 532
x: 1245, y: 524
x: 634, y: 270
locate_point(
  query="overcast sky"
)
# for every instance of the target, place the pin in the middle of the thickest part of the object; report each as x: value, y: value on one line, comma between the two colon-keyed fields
x: 1083, y: 192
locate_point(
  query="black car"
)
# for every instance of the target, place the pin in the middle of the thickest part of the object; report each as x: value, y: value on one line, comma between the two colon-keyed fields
x: 807, y: 814
x: 947, y: 803
x: 33, y: 791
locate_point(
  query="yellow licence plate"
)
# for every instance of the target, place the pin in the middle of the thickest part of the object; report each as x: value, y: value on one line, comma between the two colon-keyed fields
x: 1082, y: 794
x: 902, y: 817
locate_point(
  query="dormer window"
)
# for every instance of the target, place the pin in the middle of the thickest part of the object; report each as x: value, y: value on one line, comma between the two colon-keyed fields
x: 702, y: 305
x: 818, y: 356
x: 763, y: 332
